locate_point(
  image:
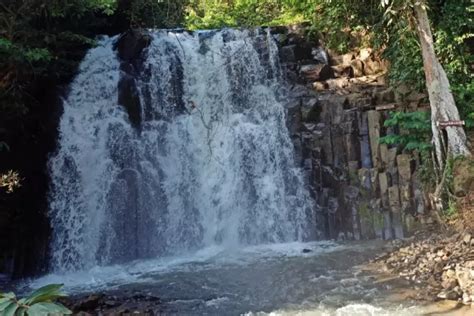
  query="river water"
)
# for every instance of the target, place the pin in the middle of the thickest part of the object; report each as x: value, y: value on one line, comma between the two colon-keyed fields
x: 318, y: 278
x: 201, y: 202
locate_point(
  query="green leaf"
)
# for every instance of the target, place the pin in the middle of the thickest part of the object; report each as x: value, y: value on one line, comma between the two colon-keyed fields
x: 21, y: 311
x: 48, y: 308
x: 4, y: 304
x: 46, y: 293
x: 10, y: 309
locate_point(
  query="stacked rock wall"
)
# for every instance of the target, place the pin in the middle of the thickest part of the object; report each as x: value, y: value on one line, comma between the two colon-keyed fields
x: 336, y: 113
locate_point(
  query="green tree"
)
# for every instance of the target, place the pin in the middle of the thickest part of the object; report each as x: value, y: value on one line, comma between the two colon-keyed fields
x: 443, y: 106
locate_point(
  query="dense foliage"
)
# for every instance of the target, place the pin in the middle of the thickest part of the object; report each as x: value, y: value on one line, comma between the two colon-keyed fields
x: 216, y: 14
x: 413, y: 132
x: 348, y: 24
x: 48, y: 38
x: 36, y: 35
x: 44, y: 40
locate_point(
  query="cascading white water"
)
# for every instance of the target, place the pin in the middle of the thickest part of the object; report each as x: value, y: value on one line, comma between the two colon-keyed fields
x: 211, y: 162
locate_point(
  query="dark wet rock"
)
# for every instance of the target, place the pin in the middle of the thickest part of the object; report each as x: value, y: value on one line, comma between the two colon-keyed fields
x: 307, y: 250
x: 131, y: 44
x: 320, y: 55
x: 111, y: 303
x: 310, y: 111
x: 88, y: 303
x: 130, y: 47
x: 288, y: 53
x: 135, y: 303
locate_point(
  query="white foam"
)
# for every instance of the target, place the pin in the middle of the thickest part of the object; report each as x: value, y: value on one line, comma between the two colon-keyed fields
x: 221, y: 174
x: 99, y: 278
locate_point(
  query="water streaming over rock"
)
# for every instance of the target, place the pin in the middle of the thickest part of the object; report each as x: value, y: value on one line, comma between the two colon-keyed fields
x: 209, y: 163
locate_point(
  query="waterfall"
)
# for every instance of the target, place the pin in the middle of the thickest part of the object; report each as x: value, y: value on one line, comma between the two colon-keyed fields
x: 210, y: 162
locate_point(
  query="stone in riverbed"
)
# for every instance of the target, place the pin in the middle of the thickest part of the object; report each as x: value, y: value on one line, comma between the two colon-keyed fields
x: 448, y: 295
x: 89, y: 303
x: 467, y: 239
x: 320, y: 86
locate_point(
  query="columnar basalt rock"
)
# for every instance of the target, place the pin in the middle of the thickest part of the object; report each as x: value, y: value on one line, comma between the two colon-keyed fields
x: 364, y: 189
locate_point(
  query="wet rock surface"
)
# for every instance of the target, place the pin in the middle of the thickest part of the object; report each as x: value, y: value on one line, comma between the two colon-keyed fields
x: 119, y: 303
x: 439, y: 266
x: 130, y: 49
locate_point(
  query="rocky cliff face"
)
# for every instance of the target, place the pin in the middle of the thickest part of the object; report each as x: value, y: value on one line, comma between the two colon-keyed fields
x: 335, y: 117
x: 339, y: 103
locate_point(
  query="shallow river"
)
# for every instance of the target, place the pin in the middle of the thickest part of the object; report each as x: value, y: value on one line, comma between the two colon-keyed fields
x: 323, y: 278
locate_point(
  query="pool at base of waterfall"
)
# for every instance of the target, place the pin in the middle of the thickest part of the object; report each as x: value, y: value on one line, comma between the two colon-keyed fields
x: 318, y: 278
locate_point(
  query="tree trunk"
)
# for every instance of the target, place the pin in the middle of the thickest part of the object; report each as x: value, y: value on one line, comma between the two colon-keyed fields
x: 443, y: 107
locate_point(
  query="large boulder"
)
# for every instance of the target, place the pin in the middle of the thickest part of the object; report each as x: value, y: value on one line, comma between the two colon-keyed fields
x: 345, y: 59
x: 316, y: 72
x: 343, y: 71
x: 373, y: 67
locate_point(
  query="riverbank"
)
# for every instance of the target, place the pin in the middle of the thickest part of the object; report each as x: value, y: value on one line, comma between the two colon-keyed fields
x: 427, y: 274
x: 439, y: 266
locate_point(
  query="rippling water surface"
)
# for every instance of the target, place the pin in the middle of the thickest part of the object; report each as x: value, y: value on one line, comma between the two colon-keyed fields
x: 320, y: 278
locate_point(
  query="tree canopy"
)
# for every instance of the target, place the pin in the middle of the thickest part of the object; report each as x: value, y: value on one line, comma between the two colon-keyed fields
x: 41, y: 38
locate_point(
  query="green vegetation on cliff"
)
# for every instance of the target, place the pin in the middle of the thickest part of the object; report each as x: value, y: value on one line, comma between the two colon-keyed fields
x: 46, y: 37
